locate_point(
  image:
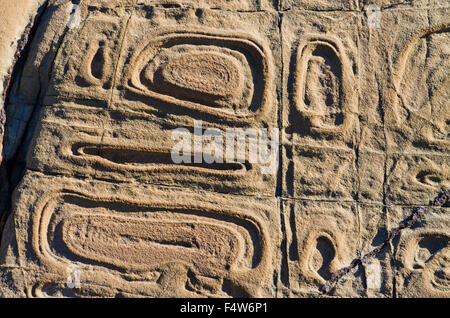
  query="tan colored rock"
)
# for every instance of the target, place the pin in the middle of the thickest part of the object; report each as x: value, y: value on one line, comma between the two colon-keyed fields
x: 321, y: 174
x: 417, y: 116
x: 107, y: 90
x: 320, y: 238
x: 144, y: 240
x: 403, y: 4
x: 16, y: 22
x: 412, y: 179
x: 16, y: 16
x: 371, y: 172
x: 320, y: 101
x: 135, y: 150
x: 320, y: 5
x: 247, y: 39
x: 232, y: 5
x: 377, y: 274
x: 422, y: 256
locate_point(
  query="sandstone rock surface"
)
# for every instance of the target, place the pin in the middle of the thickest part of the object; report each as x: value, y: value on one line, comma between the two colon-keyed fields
x: 92, y: 204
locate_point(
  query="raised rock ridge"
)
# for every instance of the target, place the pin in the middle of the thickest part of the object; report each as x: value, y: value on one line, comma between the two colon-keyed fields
x: 89, y: 193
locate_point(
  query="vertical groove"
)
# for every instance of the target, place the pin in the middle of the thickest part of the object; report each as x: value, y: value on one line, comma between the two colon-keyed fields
x: 113, y: 83
x: 279, y: 179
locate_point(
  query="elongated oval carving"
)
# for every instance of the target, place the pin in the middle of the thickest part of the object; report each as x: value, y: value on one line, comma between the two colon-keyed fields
x: 415, y: 178
x: 127, y: 236
x: 96, y: 66
x: 124, y: 157
x: 322, y: 85
x: 208, y: 77
x: 85, y: 62
x: 144, y: 244
x: 98, y: 63
x: 323, y: 89
x: 429, y: 178
x: 222, y: 74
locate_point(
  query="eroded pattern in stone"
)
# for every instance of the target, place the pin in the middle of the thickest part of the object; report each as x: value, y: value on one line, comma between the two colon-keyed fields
x: 424, y: 255
x: 220, y: 74
x: 325, y: 94
x: 203, y: 245
x: 91, y: 188
x: 421, y: 101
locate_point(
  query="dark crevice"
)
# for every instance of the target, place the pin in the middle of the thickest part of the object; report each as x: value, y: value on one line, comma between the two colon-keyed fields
x: 394, y: 286
x: 293, y: 247
x: 284, y: 270
x: 383, y: 118
x: 279, y: 186
x: 7, y: 167
x: 22, y: 52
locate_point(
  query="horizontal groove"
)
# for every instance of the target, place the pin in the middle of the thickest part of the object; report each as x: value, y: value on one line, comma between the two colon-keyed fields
x: 151, y: 158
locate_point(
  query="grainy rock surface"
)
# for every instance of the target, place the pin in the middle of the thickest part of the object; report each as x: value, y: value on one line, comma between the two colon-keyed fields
x: 93, y: 205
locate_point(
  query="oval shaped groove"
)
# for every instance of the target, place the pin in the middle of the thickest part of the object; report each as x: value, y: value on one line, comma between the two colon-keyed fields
x: 145, y: 244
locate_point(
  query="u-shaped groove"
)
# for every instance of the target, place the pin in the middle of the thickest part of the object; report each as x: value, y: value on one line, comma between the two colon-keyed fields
x: 148, y: 159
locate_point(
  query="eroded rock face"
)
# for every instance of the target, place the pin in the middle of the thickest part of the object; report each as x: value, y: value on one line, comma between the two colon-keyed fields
x: 92, y: 195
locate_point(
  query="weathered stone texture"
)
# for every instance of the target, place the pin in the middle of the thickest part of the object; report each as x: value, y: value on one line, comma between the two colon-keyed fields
x: 88, y: 183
